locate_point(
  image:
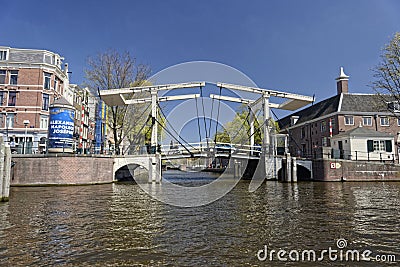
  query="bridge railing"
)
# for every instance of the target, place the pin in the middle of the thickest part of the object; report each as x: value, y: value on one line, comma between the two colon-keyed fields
x: 211, y: 148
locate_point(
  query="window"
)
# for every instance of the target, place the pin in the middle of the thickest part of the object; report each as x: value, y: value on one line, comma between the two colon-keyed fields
x: 12, y: 98
x: 47, y: 79
x: 384, y: 121
x: 10, y: 120
x: 348, y: 120
x: 2, y: 94
x: 379, y: 145
x: 303, y: 133
x: 46, y: 100
x: 2, y: 76
x: 14, y: 77
x: 367, y: 121
x: 324, y: 141
x: 323, y: 126
x: 394, y: 106
x: 44, y: 122
x: 56, y: 84
x: 3, y: 54
x: 398, y: 121
x: 333, y: 123
x: 303, y: 150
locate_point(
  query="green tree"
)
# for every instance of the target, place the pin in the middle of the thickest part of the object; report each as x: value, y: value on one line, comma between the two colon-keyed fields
x: 237, y: 131
x: 387, y: 72
x: 114, y: 70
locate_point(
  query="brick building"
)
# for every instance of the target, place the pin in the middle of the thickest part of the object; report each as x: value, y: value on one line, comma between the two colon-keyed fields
x: 311, y: 129
x: 29, y: 81
x: 84, y: 123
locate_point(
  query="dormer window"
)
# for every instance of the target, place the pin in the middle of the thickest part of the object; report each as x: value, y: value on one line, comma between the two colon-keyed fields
x: 394, y: 106
x: 3, y: 54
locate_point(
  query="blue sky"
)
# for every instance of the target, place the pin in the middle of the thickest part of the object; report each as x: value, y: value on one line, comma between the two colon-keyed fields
x: 295, y: 46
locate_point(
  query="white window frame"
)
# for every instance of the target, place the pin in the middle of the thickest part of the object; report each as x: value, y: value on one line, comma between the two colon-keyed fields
x: 379, y: 145
x: 6, y: 52
x: 10, y: 119
x: 348, y: 117
x: 11, y: 74
x: 9, y: 98
x: 56, y: 84
x: 5, y: 75
x: 394, y: 106
x: 369, y: 119
x: 43, y: 102
x: 382, y: 119
x: 46, y: 75
x: 44, y: 122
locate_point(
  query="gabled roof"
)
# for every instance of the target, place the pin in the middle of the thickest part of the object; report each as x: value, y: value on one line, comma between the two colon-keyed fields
x: 339, y: 103
x: 319, y: 109
x: 363, y: 103
x: 363, y: 132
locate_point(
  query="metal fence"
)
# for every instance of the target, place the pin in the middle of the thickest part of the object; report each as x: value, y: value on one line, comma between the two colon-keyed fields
x: 41, y: 147
x: 331, y: 153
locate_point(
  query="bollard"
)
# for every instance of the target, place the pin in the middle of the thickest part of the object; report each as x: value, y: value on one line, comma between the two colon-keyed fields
x: 2, y: 180
x: 5, y: 170
x: 7, y: 173
x: 294, y: 170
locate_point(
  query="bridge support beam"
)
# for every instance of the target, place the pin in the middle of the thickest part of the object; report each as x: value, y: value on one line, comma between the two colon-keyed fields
x: 251, y: 123
x: 237, y: 169
x: 286, y: 168
x: 294, y: 170
x: 154, y: 133
x: 289, y: 169
x: 155, y: 169
x: 266, y: 141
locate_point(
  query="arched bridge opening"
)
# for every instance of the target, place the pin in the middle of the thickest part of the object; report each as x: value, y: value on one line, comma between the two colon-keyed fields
x: 127, y: 172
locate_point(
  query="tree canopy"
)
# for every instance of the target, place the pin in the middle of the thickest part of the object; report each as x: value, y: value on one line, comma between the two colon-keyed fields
x: 114, y: 70
x: 237, y: 131
x: 387, y: 72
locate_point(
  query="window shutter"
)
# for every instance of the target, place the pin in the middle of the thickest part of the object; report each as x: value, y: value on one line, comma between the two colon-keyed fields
x: 370, y: 145
x: 388, y: 146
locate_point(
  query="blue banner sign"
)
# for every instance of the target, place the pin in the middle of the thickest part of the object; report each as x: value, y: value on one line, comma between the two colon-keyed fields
x: 61, y: 129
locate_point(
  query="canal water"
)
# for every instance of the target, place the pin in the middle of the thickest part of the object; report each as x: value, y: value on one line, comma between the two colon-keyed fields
x: 120, y: 225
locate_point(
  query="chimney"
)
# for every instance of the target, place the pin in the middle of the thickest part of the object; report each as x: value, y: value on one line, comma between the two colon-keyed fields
x: 342, y: 83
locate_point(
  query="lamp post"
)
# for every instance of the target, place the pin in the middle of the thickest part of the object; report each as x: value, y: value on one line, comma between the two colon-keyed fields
x: 26, y: 123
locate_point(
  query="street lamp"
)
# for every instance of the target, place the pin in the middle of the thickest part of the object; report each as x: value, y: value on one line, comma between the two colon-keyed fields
x: 26, y: 123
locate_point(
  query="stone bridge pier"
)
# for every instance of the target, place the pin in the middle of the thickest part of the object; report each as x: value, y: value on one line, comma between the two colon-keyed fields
x: 152, y: 163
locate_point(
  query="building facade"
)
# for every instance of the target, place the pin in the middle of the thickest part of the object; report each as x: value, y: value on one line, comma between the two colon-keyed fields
x: 30, y: 80
x: 362, y: 143
x: 84, y: 123
x: 311, y: 130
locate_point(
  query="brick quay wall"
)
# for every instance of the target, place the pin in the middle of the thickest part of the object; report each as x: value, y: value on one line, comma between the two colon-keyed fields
x: 38, y: 170
x: 339, y: 170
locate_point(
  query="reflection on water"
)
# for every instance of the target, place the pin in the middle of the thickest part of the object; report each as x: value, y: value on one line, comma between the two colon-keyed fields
x: 120, y: 225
